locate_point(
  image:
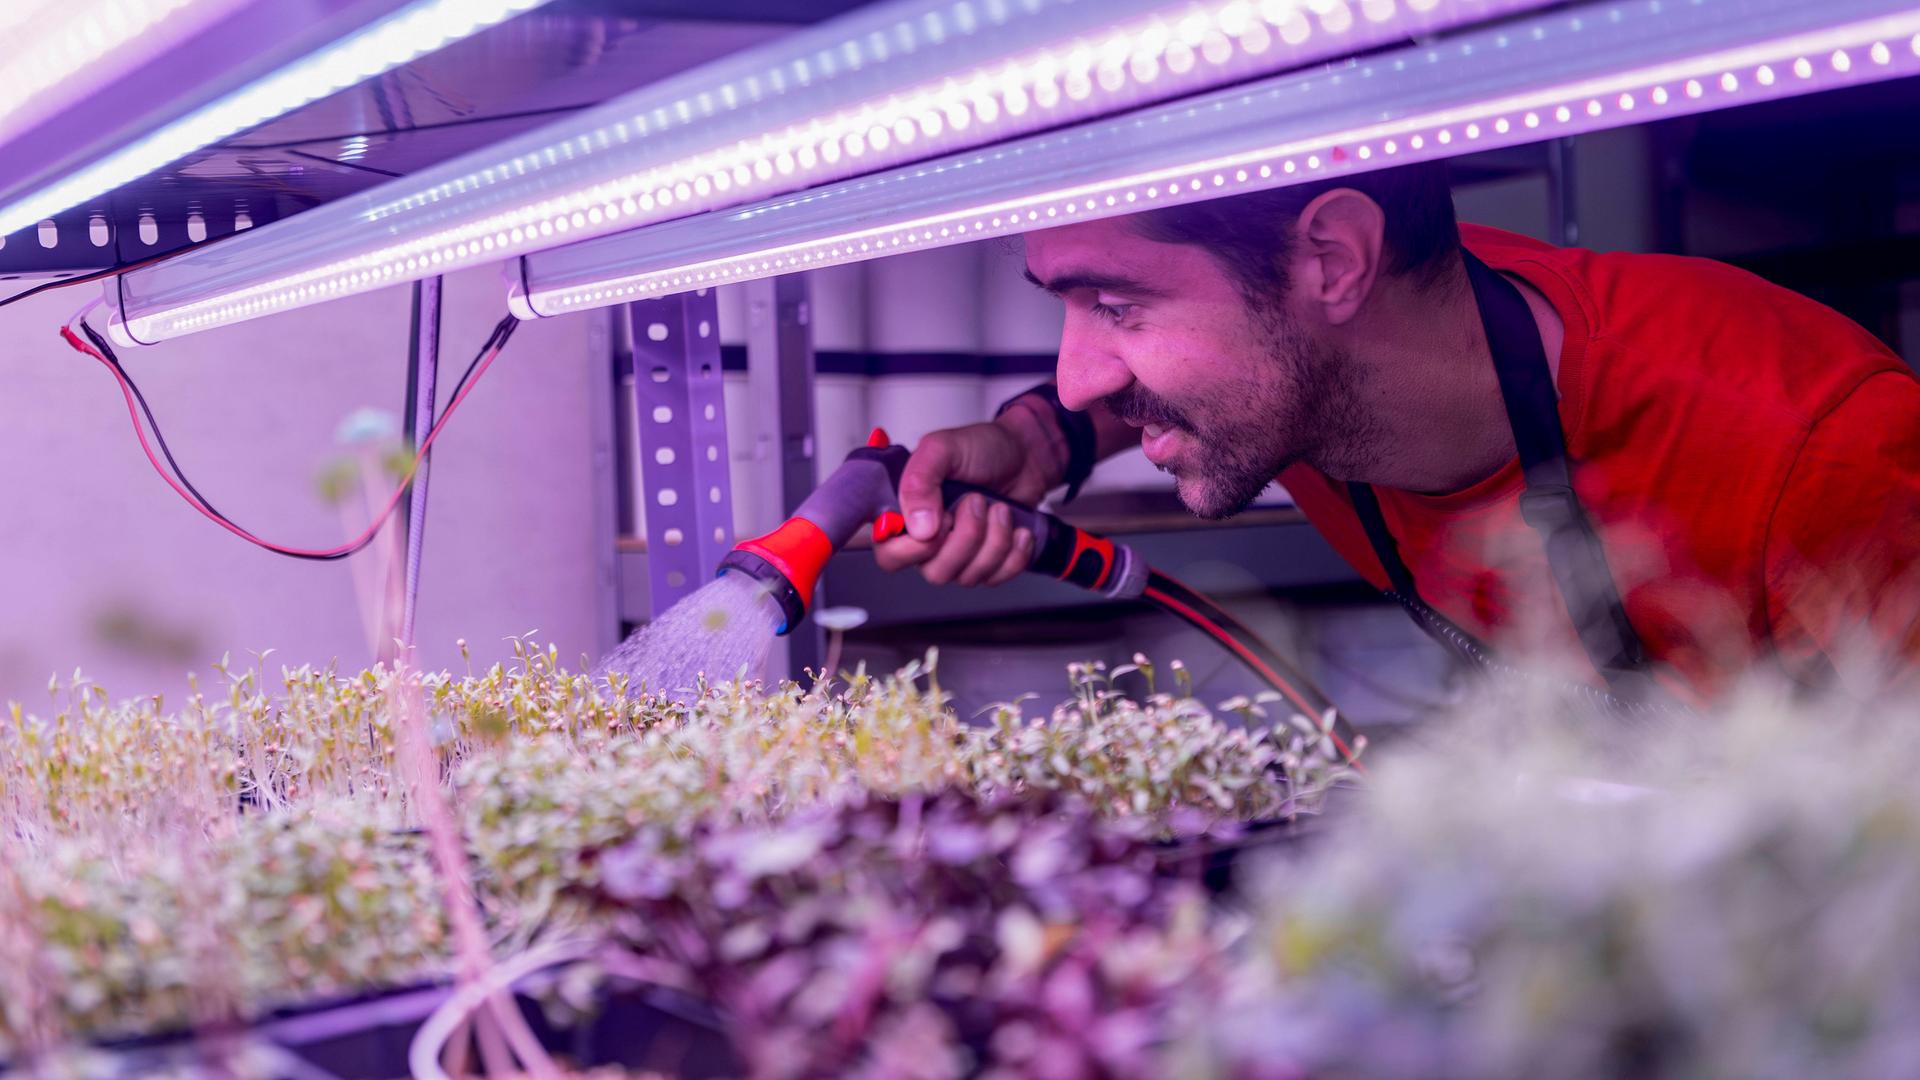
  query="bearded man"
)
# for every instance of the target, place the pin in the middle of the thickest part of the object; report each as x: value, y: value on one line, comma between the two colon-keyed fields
x: 1656, y: 472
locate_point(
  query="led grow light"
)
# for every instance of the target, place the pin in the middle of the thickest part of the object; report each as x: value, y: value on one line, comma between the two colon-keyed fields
x: 58, y: 51
x: 419, y: 28
x: 901, y: 82
x: 1581, y: 69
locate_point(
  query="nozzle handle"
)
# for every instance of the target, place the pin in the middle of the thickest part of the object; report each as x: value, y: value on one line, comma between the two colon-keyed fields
x: 1065, y: 551
x: 866, y: 488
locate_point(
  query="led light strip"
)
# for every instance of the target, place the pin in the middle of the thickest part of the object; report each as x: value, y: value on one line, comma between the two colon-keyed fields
x: 1598, y: 66
x: 59, y: 50
x: 418, y: 29
x: 903, y: 82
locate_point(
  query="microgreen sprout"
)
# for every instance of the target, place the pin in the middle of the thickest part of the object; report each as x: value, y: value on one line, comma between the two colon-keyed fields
x: 281, y: 813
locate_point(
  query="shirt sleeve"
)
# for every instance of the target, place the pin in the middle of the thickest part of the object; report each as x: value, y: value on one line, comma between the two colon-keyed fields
x: 1842, y: 558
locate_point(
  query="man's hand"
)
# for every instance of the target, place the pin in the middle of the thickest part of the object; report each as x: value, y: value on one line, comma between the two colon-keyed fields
x: 1020, y: 455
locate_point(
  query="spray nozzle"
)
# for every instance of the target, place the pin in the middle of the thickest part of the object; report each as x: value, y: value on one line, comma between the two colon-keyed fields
x: 788, y: 562
x: 866, y: 489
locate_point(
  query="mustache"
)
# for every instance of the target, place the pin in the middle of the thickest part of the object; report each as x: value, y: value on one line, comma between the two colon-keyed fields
x: 1139, y: 406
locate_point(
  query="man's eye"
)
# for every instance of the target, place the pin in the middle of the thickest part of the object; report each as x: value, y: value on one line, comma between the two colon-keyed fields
x: 1112, y: 313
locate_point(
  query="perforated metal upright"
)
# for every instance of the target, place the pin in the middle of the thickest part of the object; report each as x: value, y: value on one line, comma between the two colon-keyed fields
x: 682, y: 420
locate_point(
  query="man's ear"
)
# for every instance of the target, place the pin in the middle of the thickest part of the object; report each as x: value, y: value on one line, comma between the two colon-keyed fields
x: 1338, y: 241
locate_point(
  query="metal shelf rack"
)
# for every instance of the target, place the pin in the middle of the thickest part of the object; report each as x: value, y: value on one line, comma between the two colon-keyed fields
x: 1277, y: 546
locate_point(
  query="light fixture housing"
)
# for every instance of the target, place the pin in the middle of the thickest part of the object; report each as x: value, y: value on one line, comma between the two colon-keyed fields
x: 60, y: 51
x: 1579, y: 69
x: 236, y: 66
x: 884, y: 85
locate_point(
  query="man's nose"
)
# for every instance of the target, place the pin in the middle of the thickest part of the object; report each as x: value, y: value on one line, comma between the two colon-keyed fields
x: 1088, y: 370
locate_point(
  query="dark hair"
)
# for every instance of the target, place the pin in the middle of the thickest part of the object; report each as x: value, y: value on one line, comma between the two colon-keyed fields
x: 1248, y: 234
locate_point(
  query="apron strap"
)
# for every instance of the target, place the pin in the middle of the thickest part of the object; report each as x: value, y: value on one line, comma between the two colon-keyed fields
x: 1444, y: 631
x: 1548, y: 503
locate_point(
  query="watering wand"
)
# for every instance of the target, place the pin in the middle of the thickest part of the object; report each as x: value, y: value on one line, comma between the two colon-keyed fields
x: 866, y: 489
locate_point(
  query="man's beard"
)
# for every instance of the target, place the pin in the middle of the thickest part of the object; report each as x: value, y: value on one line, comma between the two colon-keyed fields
x: 1297, y: 404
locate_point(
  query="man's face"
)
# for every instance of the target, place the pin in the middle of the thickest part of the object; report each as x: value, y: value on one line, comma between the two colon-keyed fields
x: 1227, y: 391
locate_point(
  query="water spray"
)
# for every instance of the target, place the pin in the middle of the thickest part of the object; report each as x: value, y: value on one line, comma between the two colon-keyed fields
x: 865, y: 489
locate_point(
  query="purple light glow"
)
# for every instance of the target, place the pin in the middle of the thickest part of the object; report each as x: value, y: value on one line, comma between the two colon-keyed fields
x: 60, y: 51
x: 1649, y: 62
x: 873, y: 89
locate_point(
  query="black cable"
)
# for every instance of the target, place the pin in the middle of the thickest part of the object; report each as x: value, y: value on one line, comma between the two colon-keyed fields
x: 501, y: 332
x: 117, y: 268
x: 106, y: 350
x: 1226, y: 621
x: 44, y: 286
x: 1200, y: 612
x: 153, y: 425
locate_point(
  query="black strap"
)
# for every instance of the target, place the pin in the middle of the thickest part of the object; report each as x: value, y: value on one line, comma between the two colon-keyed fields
x: 1076, y: 427
x: 1400, y: 587
x: 1549, y: 503
x: 1367, y: 505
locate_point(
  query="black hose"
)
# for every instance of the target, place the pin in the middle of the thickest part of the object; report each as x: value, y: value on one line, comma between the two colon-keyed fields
x: 866, y: 488
x: 1238, y: 638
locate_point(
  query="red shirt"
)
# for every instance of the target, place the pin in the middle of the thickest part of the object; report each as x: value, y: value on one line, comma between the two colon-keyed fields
x: 1750, y: 458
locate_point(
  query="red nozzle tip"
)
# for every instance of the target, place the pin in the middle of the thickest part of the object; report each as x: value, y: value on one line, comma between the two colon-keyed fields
x: 878, y: 439
x: 798, y: 550
x: 888, y: 525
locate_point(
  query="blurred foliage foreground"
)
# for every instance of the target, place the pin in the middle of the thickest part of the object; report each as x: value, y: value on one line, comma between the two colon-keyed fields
x: 861, y: 883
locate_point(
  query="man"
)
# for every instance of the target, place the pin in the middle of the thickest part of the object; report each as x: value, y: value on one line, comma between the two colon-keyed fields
x: 1746, y: 462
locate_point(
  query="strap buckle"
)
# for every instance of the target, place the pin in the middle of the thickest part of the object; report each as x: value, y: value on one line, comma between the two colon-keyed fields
x: 1549, y: 507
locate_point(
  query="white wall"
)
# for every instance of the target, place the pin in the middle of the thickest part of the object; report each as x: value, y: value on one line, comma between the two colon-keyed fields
x: 90, y: 533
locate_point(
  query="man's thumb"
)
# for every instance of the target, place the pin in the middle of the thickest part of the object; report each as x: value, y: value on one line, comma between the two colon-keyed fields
x: 920, y: 481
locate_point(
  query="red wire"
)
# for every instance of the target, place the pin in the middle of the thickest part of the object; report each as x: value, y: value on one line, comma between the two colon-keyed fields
x: 1207, y: 625
x: 1286, y: 689
x: 352, y: 545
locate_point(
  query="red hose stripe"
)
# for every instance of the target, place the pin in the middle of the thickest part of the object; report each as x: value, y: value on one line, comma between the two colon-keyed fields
x: 1286, y: 689
x: 1224, y: 622
x: 1107, y: 559
x: 1225, y: 638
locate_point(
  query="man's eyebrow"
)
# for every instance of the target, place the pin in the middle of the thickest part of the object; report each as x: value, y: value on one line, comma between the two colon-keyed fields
x: 1094, y: 279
